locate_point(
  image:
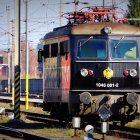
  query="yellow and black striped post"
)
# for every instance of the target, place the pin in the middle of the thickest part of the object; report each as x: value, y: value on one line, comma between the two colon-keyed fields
x: 17, y: 61
x: 17, y: 93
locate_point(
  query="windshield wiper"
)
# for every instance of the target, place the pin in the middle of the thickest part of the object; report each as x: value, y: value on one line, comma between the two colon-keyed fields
x: 115, y: 47
x: 85, y: 41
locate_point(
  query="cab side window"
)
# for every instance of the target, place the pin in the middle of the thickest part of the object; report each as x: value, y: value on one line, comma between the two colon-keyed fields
x: 54, y: 50
x: 63, y: 48
x: 46, y: 51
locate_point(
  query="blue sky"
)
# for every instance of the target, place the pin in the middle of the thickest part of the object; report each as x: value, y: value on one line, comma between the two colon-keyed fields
x: 43, y: 16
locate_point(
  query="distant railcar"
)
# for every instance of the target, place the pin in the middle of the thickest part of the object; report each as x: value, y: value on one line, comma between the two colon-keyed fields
x: 35, y: 86
x: 92, y: 69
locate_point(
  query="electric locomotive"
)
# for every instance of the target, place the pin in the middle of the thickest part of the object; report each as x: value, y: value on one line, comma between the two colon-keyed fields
x: 92, y: 67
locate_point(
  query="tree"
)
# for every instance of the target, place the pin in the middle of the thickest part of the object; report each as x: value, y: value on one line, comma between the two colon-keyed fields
x: 133, y: 11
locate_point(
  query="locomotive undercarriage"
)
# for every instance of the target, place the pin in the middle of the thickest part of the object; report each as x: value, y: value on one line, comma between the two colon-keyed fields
x: 120, y: 107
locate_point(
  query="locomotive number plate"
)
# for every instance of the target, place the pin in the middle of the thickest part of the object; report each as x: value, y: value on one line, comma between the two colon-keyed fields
x: 109, y: 85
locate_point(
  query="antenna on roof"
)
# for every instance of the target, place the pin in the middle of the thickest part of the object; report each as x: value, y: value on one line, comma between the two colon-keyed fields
x: 113, y: 5
x: 103, y: 3
x: 76, y: 2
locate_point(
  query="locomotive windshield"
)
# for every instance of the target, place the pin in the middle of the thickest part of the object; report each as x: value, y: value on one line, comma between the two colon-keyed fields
x: 93, y: 49
x: 126, y: 49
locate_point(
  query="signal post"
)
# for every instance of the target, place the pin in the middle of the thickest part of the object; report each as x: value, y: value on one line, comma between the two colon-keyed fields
x: 17, y: 61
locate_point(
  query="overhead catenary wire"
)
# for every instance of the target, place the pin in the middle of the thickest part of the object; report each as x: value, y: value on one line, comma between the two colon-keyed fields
x: 36, y: 10
x: 40, y: 14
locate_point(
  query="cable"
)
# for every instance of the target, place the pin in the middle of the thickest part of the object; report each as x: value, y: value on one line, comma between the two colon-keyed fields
x: 121, y: 2
x: 6, y: 31
x: 36, y: 10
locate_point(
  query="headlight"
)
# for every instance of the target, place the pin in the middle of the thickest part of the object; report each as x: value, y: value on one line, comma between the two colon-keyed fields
x: 133, y: 72
x: 84, y: 72
x: 107, y: 30
x: 130, y: 72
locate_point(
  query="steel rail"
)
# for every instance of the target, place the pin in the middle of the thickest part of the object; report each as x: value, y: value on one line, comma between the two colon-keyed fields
x: 20, y: 134
x: 119, y: 131
x: 43, y: 118
x: 35, y: 102
x: 124, y: 132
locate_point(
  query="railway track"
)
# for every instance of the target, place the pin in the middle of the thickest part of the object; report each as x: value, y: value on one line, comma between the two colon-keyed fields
x: 51, y: 122
x: 35, y: 101
x: 44, y: 119
x: 31, y: 95
x: 121, y: 132
x: 17, y: 134
x: 117, y: 131
x: 125, y: 132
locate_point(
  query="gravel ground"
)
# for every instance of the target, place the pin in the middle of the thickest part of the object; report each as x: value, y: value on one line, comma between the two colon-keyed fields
x: 4, y: 137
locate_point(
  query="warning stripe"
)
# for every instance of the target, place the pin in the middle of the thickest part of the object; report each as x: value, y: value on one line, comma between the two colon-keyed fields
x: 17, y: 96
x: 17, y: 106
x: 17, y: 115
x: 17, y: 89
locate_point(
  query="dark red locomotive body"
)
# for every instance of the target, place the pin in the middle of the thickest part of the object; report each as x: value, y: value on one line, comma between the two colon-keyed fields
x: 90, y: 67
